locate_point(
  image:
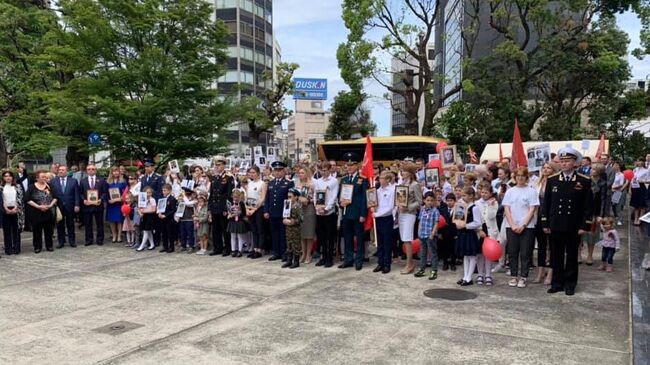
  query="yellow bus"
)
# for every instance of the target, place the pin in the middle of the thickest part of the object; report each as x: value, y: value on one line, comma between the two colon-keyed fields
x: 384, y: 149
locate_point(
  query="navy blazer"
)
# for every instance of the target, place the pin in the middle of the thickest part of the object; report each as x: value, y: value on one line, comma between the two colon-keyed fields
x: 156, y: 183
x: 68, y: 198
x: 100, y: 186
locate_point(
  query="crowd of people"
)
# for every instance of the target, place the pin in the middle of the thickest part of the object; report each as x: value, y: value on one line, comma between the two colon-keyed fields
x: 321, y: 211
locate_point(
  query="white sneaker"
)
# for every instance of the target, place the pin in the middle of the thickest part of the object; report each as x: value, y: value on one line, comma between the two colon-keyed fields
x: 512, y: 282
x: 201, y: 252
x: 619, y: 223
x: 497, y: 268
x: 521, y: 283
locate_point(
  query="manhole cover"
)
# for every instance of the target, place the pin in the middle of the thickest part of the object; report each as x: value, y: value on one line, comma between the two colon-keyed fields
x: 450, y: 294
x: 117, y: 328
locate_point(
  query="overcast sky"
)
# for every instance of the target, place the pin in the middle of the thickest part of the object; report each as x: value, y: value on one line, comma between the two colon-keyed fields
x: 309, y: 33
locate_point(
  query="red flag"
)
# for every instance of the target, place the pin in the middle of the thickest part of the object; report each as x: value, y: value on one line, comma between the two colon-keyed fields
x: 500, y: 152
x: 601, y: 147
x: 518, y: 158
x: 368, y: 172
x: 472, y: 156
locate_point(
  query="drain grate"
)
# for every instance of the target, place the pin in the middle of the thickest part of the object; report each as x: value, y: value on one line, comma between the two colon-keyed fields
x: 117, y: 328
x: 450, y: 294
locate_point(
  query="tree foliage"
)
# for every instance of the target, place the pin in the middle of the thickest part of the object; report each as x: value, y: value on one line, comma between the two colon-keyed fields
x: 349, y: 117
x: 25, y: 128
x: 144, y: 76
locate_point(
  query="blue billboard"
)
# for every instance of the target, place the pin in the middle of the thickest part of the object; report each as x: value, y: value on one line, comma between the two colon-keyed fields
x: 310, y: 89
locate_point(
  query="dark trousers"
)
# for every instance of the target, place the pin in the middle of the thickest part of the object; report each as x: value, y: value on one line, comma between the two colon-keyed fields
x: 219, y: 233
x: 564, y: 259
x: 447, y: 250
x: 98, y: 217
x: 257, y: 227
x: 11, y: 234
x: 385, y: 240
x: 608, y: 255
x: 542, y: 246
x: 520, y: 250
x: 168, y: 233
x: 352, y: 228
x: 326, y: 236
x: 38, y: 230
x: 157, y: 230
x: 278, y: 237
x: 67, y: 223
x: 187, y: 234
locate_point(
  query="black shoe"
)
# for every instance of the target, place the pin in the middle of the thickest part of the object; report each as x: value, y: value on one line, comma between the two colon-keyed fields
x: 288, y: 262
x: 234, y: 254
x: 274, y: 258
x: 569, y: 291
x: 100, y: 243
x: 213, y: 253
x: 466, y: 283
x: 377, y: 269
x: 296, y: 262
x: 50, y: 249
x: 554, y: 289
x: 358, y: 267
x: 445, y: 266
x: 344, y: 266
x: 60, y: 245
x: 328, y: 264
x: 256, y: 255
x: 73, y: 245
x: 163, y: 250
x: 386, y: 270
x: 460, y: 282
x: 38, y: 250
x: 225, y: 253
x: 88, y: 243
x: 250, y: 254
x: 321, y: 262
x: 453, y: 267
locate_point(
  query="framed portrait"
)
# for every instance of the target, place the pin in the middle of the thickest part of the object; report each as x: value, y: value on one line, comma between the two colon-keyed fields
x: 401, y: 196
x: 92, y: 195
x: 251, y: 202
x: 187, y: 184
x: 114, y: 194
x: 460, y: 178
x: 434, y: 156
x: 431, y: 177
x: 142, y: 199
x: 320, y: 198
x: 229, y: 164
x: 260, y: 160
x: 161, y: 206
x: 470, y: 167
x: 174, y: 167
x: 180, y: 210
x: 371, y: 197
x: 245, y: 165
x: 346, y: 192
x: 286, y: 210
x: 448, y: 155
x: 270, y: 151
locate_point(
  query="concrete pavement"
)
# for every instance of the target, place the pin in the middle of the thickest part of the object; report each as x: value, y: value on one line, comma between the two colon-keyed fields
x: 186, y: 309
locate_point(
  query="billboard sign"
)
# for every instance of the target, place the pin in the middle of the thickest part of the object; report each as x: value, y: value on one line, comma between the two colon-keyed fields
x: 310, y: 89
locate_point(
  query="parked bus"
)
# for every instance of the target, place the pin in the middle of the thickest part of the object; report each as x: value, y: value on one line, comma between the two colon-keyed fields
x: 384, y: 149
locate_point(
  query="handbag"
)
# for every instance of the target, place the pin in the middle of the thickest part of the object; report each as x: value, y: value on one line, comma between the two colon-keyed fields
x: 58, y: 215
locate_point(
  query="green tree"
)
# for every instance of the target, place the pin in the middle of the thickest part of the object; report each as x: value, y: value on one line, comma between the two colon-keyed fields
x: 25, y: 128
x: 144, y: 76
x: 349, y: 117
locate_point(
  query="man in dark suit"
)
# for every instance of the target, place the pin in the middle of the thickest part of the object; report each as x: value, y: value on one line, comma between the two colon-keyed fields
x: 156, y: 182
x: 566, y: 215
x: 168, y: 225
x: 355, y: 211
x: 68, y: 189
x: 93, y: 209
x: 220, y: 192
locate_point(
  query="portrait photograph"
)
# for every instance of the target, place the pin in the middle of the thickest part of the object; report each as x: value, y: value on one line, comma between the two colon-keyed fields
x: 434, y: 156
x: 401, y: 196
x: 173, y: 166
x: 320, y: 198
x: 371, y: 197
x: 180, y: 210
x: 92, y: 195
x: 114, y: 194
x: 142, y: 199
x: 346, y: 192
x: 286, y: 212
x: 162, y: 205
x: 448, y: 155
x: 431, y: 177
x: 251, y: 202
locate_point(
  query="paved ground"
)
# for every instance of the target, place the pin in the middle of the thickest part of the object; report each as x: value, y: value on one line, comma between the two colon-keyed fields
x: 206, y: 310
x: 640, y: 251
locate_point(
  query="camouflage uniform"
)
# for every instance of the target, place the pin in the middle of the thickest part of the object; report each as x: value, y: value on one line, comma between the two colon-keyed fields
x: 293, y: 231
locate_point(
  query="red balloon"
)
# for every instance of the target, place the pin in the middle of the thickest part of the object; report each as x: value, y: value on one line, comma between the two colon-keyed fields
x: 492, y: 250
x: 440, y: 146
x: 415, y: 244
x: 628, y: 174
x: 126, y: 209
x: 435, y: 164
x: 442, y: 222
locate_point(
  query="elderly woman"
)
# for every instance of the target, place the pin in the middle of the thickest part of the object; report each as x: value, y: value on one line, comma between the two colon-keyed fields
x: 407, y: 215
x: 41, y: 201
x: 12, y: 212
x: 599, y: 190
x: 545, y: 272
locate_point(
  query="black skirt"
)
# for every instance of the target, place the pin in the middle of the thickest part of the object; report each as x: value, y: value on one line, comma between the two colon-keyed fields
x: 239, y: 226
x: 148, y: 221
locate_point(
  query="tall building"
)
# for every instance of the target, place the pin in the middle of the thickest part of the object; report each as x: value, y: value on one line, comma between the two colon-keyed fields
x: 251, y: 52
x: 307, y: 127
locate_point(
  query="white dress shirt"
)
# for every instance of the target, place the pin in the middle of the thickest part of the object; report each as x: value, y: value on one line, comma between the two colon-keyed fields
x: 331, y: 187
x: 385, y: 201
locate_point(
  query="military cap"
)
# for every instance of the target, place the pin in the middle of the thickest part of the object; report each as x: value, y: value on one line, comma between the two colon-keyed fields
x: 294, y: 191
x: 278, y: 165
x: 570, y: 152
x: 351, y: 157
x: 220, y: 158
x: 149, y: 163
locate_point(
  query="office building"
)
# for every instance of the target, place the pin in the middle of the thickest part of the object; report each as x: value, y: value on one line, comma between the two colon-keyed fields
x: 307, y: 128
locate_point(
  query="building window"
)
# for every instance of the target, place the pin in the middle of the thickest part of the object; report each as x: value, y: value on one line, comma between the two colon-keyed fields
x: 317, y: 105
x: 232, y: 27
x: 247, y: 5
x: 246, y: 29
x: 225, y: 4
x: 230, y: 76
x: 233, y: 52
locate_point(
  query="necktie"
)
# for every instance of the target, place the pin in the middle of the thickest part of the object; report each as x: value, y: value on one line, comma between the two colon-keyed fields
x: 63, y: 183
x: 92, y: 182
